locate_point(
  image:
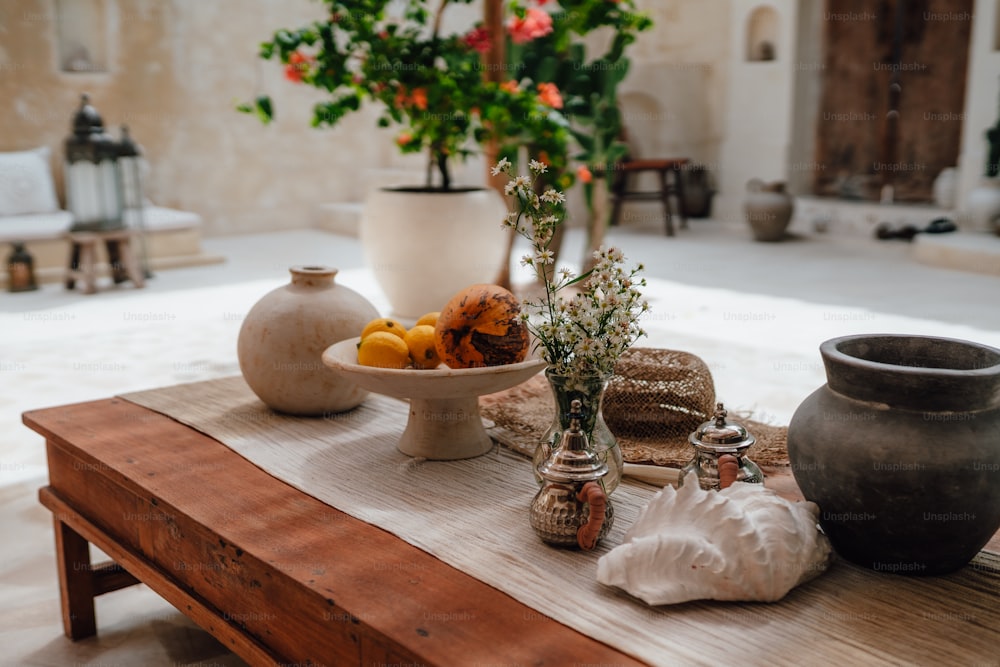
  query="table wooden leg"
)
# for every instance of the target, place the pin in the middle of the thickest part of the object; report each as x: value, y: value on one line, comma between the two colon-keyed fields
x: 74, y: 264
x: 88, y: 265
x: 665, y: 195
x: 118, y: 272
x: 76, y: 582
x: 679, y: 189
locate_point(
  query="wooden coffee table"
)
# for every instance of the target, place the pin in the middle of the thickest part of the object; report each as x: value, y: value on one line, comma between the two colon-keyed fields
x: 275, y: 575
x: 280, y: 577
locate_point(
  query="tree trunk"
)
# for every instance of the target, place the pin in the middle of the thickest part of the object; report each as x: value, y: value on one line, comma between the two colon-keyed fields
x: 597, y: 222
x: 493, y: 71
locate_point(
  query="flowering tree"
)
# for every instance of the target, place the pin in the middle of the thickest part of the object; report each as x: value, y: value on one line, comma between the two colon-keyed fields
x: 429, y: 83
x: 550, y: 54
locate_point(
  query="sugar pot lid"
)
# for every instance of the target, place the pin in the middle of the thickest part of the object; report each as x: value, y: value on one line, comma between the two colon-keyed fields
x: 720, y: 435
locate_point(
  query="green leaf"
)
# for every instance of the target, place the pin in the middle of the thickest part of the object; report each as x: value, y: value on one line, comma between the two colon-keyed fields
x: 264, y: 109
x: 546, y: 70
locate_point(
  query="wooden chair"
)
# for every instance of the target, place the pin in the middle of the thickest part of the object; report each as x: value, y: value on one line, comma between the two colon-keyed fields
x: 671, y: 181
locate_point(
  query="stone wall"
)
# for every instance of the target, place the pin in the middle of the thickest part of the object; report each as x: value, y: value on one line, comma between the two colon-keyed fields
x: 177, y: 68
x: 175, y: 72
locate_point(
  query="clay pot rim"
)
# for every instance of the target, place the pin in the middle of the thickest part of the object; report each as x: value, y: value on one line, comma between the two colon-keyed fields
x: 831, y: 350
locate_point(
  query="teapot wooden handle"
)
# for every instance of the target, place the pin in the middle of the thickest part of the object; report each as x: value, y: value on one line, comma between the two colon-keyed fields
x: 729, y: 470
x: 594, y: 496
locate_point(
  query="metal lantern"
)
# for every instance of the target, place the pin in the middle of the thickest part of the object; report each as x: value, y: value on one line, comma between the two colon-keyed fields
x: 20, y: 270
x: 133, y: 198
x: 93, y: 178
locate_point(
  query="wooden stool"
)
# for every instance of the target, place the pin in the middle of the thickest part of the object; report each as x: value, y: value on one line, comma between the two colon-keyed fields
x: 83, y: 258
x: 667, y: 169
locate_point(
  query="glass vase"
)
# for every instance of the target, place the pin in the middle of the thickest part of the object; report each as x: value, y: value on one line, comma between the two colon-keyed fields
x: 590, y: 392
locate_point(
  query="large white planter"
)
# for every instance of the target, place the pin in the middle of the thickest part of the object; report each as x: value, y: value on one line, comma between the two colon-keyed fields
x: 424, y: 246
x: 982, y: 206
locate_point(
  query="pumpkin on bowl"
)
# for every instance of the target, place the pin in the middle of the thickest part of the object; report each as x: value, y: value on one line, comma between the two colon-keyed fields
x: 480, y: 326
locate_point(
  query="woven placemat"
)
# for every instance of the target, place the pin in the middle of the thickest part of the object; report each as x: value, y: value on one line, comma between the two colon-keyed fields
x: 665, y: 410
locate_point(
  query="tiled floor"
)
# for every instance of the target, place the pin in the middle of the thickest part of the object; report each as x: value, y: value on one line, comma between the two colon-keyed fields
x: 755, y: 312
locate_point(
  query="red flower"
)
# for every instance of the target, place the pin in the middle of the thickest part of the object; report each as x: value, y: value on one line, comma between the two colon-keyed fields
x: 535, y: 24
x: 510, y: 86
x: 584, y: 174
x: 478, y: 39
x: 401, y: 97
x: 417, y: 98
x: 548, y: 93
x: 298, y: 65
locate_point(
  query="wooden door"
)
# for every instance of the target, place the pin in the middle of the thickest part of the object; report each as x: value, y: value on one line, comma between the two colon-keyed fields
x: 893, y: 95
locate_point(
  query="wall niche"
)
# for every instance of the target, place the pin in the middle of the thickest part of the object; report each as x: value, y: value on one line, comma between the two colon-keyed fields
x: 762, y: 34
x: 81, y: 35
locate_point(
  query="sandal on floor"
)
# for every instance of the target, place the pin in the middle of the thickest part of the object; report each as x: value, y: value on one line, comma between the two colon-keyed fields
x: 940, y: 226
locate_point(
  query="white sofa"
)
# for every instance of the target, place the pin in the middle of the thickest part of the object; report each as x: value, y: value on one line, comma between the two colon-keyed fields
x: 30, y: 213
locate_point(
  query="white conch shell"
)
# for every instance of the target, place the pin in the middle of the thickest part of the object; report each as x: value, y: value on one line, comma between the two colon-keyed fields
x: 742, y: 543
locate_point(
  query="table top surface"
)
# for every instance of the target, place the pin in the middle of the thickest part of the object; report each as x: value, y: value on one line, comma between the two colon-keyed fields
x: 388, y: 588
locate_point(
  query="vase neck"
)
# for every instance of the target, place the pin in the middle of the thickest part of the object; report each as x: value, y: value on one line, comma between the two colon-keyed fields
x: 589, y: 390
x: 312, y: 276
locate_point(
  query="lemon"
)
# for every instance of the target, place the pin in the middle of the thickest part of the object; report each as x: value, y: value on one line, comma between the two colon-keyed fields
x: 420, y: 342
x: 429, y: 318
x: 383, y: 350
x: 386, y: 324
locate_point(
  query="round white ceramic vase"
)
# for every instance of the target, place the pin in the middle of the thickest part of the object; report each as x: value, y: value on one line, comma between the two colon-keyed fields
x: 283, y: 336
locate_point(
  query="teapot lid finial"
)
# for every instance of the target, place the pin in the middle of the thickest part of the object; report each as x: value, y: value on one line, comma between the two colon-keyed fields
x: 720, y: 415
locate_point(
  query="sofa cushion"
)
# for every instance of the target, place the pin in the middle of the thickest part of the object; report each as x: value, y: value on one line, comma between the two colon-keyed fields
x: 155, y: 218
x: 34, y: 226
x: 26, y: 185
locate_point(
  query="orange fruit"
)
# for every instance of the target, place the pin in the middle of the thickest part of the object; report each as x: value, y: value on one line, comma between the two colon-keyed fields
x: 420, y: 341
x: 429, y: 318
x: 383, y: 350
x: 386, y: 324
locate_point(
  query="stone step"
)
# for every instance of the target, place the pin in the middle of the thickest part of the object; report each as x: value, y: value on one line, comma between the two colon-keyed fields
x: 978, y: 252
x: 859, y: 218
x: 339, y: 217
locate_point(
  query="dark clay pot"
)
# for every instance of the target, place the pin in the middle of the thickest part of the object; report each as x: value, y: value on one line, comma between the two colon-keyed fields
x: 901, y: 450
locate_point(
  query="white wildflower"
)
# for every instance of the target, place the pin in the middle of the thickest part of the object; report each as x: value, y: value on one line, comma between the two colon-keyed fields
x: 552, y: 196
x: 500, y: 166
x: 545, y: 257
x: 583, y: 335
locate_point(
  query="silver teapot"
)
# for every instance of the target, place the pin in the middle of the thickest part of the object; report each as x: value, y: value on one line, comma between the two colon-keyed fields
x: 720, y: 454
x: 572, y: 509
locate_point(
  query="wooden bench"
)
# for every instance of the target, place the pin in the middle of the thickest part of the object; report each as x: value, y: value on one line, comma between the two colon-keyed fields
x: 121, y: 256
x: 172, y: 239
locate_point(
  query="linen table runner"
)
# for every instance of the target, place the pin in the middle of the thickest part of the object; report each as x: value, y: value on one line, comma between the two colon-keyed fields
x: 473, y: 515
